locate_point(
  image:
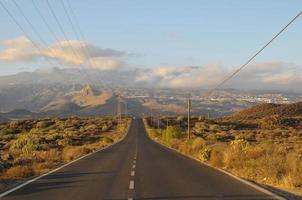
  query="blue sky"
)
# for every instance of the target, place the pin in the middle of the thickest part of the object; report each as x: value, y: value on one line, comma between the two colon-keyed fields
x: 158, y: 33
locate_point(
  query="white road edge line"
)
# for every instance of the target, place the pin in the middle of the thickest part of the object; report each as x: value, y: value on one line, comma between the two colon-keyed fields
x: 133, y: 166
x: 130, y: 198
x: 65, y: 165
x: 131, y: 185
x: 257, y: 187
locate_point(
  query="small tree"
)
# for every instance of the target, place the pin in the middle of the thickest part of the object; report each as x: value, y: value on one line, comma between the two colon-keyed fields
x: 171, y: 132
x: 180, y: 119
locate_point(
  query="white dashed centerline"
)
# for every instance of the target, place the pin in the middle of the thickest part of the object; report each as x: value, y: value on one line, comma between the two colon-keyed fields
x: 131, y: 185
x: 132, y: 173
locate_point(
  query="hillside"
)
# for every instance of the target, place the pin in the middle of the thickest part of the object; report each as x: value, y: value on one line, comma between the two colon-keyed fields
x: 3, y: 119
x: 76, y: 100
x: 90, y: 97
x: 153, y: 104
x: 268, y: 109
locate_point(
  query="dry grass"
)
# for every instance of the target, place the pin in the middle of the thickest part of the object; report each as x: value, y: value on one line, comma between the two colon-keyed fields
x: 32, y: 147
x: 18, y: 172
x: 71, y: 153
x: 271, y: 156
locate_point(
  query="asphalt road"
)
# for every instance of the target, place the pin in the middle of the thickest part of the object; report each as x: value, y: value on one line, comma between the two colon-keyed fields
x: 136, y: 168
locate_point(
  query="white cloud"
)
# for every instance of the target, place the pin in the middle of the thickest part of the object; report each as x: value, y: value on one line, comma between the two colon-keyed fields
x: 72, y: 52
x: 17, y: 49
x: 269, y: 75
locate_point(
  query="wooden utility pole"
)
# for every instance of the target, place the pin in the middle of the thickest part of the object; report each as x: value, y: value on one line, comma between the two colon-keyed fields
x: 167, y: 123
x: 189, y: 116
x: 158, y: 121
x: 151, y: 119
x: 126, y: 108
x: 119, y: 110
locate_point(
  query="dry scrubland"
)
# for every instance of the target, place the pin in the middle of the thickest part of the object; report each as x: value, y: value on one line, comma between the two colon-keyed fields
x: 32, y: 147
x: 266, y: 150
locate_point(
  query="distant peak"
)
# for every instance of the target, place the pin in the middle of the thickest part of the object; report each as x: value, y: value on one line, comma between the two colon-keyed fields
x: 87, y: 90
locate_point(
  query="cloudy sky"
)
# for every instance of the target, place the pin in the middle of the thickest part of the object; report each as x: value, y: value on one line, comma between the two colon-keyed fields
x: 192, y: 43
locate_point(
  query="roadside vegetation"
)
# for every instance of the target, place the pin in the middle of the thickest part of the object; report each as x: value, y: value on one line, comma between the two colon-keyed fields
x: 32, y: 147
x: 266, y: 150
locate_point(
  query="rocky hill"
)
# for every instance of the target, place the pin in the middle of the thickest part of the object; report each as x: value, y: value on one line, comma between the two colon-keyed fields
x: 268, y: 109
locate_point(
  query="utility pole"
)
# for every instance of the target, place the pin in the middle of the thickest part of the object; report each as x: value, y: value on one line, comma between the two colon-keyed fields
x: 167, y: 122
x: 126, y: 108
x: 119, y: 109
x: 189, y: 116
x: 151, y: 118
x: 158, y: 121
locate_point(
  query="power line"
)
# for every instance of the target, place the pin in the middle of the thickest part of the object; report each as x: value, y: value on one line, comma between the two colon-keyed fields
x: 65, y: 36
x: 61, y: 28
x: 23, y: 30
x: 77, y: 25
x: 252, y: 58
x: 30, y: 24
x: 75, y: 31
x: 33, y: 27
x: 47, y: 24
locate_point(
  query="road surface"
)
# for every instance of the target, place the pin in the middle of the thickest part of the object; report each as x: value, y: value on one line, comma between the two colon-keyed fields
x: 136, y: 168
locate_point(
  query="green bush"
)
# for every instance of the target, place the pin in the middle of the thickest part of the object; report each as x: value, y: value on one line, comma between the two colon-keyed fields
x: 25, y: 144
x: 42, y: 124
x: 170, y: 133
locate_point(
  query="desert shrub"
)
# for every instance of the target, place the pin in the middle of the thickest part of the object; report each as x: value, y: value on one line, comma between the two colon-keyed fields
x: 52, y: 155
x: 293, y: 167
x: 70, y: 133
x: 25, y: 144
x: 171, y: 132
x: 107, y: 140
x: 239, y: 143
x: 201, y: 118
x: 6, y: 137
x: 153, y: 133
x: 14, y: 124
x: 53, y: 136
x: 273, y: 167
x: 9, y: 131
x: 234, y: 155
x: 65, y: 142
x: 216, y: 157
x: 217, y: 127
x: 43, y: 167
x: 200, y: 128
x: 42, y: 124
x: 91, y: 127
x: 174, y: 143
x: 204, y: 154
x: 212, y: 137
x: 270, y: 122
x: 255, y: 152
x: 180, y: 119
x: 197, y: 144
x: 16, y: 172
x: 105, y: 128
x: 71, y: 153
